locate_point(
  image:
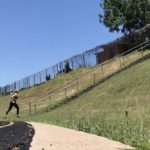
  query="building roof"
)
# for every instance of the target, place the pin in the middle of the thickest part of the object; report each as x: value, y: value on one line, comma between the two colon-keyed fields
x: 118, y: 40
x: 121, y: 39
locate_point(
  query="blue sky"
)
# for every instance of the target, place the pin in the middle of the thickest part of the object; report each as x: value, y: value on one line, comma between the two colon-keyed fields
x: 36, y: 34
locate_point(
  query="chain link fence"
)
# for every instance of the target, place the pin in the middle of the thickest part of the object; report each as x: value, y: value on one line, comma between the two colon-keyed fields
x: 88, y: 58
x: 77, y: 86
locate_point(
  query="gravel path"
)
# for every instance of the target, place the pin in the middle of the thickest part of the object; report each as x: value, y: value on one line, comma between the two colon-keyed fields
x: 15, y: 134
x: 49, y: 137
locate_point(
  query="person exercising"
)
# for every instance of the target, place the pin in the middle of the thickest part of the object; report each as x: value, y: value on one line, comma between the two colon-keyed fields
x: 13, y: 102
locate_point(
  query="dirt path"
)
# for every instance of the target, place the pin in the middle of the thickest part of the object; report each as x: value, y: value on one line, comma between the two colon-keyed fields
x: 49, y: 137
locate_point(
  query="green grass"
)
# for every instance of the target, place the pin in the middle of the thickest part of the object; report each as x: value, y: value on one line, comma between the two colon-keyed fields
x: 36, y: 92
x: 118, y: 109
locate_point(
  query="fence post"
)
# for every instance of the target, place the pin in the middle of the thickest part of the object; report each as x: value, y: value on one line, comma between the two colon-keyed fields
x: 46, y: 72
x: 77, y: 85
x: 11, y: 87
x: 120, y: 62
x: 54, y: 71
x: 57, y: 68
x: 84, y: 60
x: 19, y: 84
x: 30, y: 108
x: 50, y: 102
x: 23, y: 82
x: 28, y: 81
x: 35, y: 108
x: 34, y: 78
x: 102, y: 70
x: 60, y: 69
x: 72, y: 64
x: 123, y: 61
x: 40, y: 77
x: 93, y: 78
x: 142, y: 52
x: 65, y: 93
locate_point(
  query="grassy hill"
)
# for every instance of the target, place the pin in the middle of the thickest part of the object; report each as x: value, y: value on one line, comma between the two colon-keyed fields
x: 118, y: 108
x: 36, y: 92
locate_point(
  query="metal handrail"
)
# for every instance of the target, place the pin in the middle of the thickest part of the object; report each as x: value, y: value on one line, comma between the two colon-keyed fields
x: 64, y: 86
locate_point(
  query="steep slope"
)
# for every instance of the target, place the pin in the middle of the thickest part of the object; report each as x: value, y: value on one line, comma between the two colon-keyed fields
x: 119, y: 108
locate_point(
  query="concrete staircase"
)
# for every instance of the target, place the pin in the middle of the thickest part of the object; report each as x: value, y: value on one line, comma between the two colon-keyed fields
x: 135, y: 56
x: 90, y: 87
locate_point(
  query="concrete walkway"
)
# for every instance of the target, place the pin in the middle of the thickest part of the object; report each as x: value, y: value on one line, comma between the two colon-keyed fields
x: 49, y: 137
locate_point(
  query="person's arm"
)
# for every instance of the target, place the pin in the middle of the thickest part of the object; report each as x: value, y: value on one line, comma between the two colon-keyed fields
x: 14, y: 96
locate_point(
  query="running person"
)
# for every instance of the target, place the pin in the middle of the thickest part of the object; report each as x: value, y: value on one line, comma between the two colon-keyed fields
x: 14, y: 98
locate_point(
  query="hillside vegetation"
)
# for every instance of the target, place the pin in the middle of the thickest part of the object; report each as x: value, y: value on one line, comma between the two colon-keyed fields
x: 118, y: 108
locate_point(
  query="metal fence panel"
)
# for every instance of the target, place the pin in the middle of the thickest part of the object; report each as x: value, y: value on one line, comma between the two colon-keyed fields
x: 88, y: 58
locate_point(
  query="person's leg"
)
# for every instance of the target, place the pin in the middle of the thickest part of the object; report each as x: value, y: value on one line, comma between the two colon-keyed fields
x: 17, y: 107
x: 10, y: 107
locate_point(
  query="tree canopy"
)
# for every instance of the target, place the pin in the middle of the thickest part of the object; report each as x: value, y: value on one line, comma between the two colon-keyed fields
x: 125, y: 15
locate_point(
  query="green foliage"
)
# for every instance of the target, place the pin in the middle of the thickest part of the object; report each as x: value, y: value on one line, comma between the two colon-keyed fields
x: 48, y: 77
x: 125, y: 15
x: 118, y: 109
x: 67, y: 67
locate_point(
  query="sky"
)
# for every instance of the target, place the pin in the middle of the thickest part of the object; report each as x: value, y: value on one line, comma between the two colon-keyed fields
x: 36, y: 34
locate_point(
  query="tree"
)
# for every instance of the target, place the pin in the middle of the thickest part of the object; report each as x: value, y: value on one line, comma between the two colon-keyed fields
x: 48, y: 77
x: 125, y: 15
x: 67, y: 67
